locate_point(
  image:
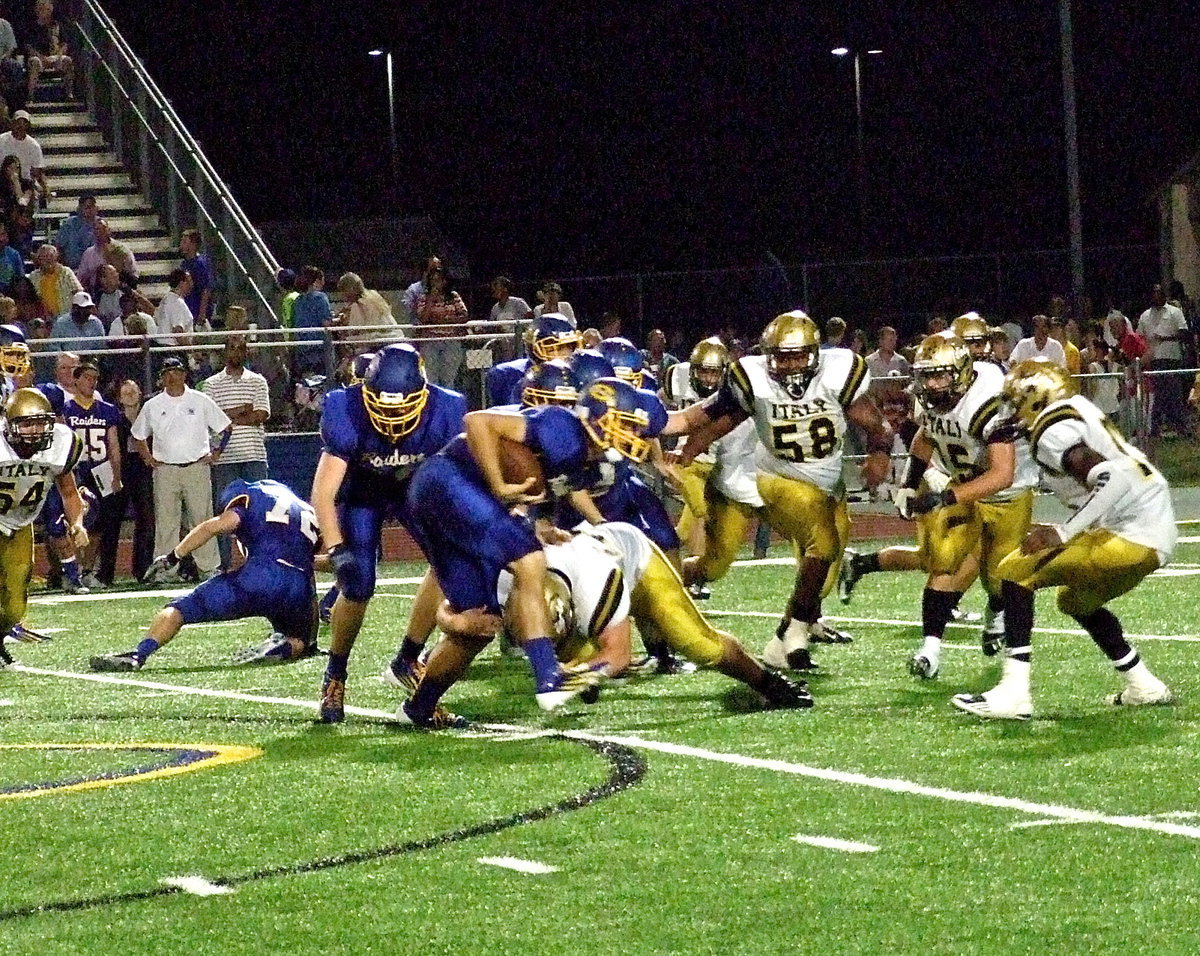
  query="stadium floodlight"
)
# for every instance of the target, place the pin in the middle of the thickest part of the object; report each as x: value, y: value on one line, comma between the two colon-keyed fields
x: 840, y: 51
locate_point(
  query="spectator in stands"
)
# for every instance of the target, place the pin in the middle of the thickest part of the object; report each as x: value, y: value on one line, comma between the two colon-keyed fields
x: 549, y: 301
x: 1001, y: 347
x: 77, y: 232
x: 1013, y: 332
x: 171, y: 434
x: 29, y: 306
x: 655, y: 357
x: 107, y: 295
x: 858, y: 342
x: 311, y: 311
x: 54, y: 282
x: 1116, y: 327
x: 243, y: 396
x: 80, y: 325
x: 47, y: 49
x: 418, y: 289
x: 610, y: 325
x: 1166, y: 332
x: 286, y: 280
x: 936, y: 324
x: 361, y: 307
x: 17, y: 142
x: 137, y: 492
x: 508, y: 307
x: 136, y: 317
x: 173, y: 319
x: 16, y: 190
x: 835, y: 333
x: 12, y: 266
x: 1039, y: 345
x: 1104, y: 392
x: 12, y: 73
x: 591, y: 338
x: 196, y: 264
x: 107, y: 249
x: 885, y: 361
x: 438, y: 310
x: 1058, y: 332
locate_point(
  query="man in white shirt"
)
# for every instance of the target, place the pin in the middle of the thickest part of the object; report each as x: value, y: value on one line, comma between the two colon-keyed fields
x: 243, y: 396
x: 1166, y: 332
x: 548, y: 296
x: 1038, y: 345
x: 179, y: 420
x: 885, y: 361
x: 172, y: 317
x: 19, y: 143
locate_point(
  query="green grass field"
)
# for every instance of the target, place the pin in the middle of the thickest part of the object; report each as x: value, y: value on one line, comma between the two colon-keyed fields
x: 667, y: 810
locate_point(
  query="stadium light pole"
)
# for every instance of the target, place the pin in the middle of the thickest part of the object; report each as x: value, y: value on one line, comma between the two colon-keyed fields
x: 1071, y: 145
x: 861, y: 158
x: 391, y: 87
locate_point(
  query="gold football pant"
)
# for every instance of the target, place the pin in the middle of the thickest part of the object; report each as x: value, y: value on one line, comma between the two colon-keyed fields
x: 693, y: 484
x: 663, y: 612
x: 16, y: 567
x: 993, y: 530
x: 816, y: 522
x: 725, y: 530
x: 1090, y: 570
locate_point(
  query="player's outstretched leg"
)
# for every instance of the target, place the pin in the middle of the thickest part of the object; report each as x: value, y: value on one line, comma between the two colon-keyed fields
x: 163, y: 628
x: 1141, y: 686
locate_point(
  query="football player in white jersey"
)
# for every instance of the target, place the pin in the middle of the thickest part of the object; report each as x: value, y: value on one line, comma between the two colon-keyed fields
x: 720, y: 486
x: 36, y: 452
x: 986, y: 507
x: 800, y: 399
x: 1123, y: 528
x: 610, y: 574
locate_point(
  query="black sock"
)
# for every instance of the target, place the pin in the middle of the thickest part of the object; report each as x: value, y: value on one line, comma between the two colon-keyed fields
x: 429, y: 692
x: 867, y: 563
x: 1018, y: 620
x: 995, y: 603
x: 1105, y: 630
x: 410, y: 650
x: 936, y: 608
x: 336, y: 668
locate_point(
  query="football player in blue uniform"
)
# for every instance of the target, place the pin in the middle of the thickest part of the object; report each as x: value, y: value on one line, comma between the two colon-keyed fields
x: 627, y: 362
x: 589, y: 365
x: 466, y: 518
x: 279, y: 533
x: 375, y: 435
x: 552, y: 336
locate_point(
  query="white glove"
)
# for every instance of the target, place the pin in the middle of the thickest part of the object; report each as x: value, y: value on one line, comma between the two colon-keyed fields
x: 903, y: 499
x: 79, y: 536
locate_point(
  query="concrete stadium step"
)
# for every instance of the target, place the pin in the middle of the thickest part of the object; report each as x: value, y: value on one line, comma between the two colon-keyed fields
x: 53, y: 143
x: 94, y: 159
x: 77, y: 120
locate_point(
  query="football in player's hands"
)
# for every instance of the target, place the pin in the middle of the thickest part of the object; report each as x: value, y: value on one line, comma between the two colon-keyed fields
x: 522, y: 471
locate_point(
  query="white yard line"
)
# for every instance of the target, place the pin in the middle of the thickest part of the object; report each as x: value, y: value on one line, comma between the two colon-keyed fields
x: 166, y: 593
x: 832, y: 843
x: 197, y: 886
x: 888, y: 784
x: 530, y: 867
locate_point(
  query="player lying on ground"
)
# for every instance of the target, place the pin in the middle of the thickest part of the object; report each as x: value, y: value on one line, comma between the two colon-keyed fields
x: 1123, y: 529
x: 278, y: 532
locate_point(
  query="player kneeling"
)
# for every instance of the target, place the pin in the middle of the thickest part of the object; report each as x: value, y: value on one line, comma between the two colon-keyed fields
x: 1122, y: 529
x: 279, y: 534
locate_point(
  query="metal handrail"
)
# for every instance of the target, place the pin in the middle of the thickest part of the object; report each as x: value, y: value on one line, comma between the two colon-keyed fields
x: 262, y: 266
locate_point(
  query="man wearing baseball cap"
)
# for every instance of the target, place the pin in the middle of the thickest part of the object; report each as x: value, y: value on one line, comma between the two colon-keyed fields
x: 81, y: 325
x: 19, y: 143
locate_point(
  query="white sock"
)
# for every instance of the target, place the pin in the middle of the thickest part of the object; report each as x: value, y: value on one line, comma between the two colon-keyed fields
x: 1014, y: 678
x: 796, y: 635
x: 996, y: 625
x: 932, y: 648
x: 1139, y: 675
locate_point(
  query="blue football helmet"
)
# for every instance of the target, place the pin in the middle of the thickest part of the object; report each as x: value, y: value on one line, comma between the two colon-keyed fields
x: 551, y: 336
x: 359, y: 366
x: 589, y: 365
x: 549, y: 383
x: 618, y: 418
x: 238, y: 488
x: 626, y: 359
x: 14, y: 352
x: 395, y: 390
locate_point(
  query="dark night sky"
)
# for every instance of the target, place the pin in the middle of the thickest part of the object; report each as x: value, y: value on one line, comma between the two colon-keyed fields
x: 572, y: 140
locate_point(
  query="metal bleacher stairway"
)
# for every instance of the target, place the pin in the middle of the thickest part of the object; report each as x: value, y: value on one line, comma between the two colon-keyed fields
x: 79, y: 162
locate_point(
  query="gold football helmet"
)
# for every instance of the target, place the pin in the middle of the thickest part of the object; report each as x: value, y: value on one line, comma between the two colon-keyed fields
x: 706, y: 366
x: 14, y: 353
x: 791, y: 343
x: 942, y: 371
x: 28, y: 422
x: 1032, y: 385
x: 973, y: 329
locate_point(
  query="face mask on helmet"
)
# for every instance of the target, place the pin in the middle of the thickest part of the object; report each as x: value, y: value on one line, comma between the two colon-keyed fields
x: 28, y: 422
x: 626, y: 359
x: 14, y: 353
x: 1032, y: 386
x: 706, y: 366
x: 552, y: 337
x: 942, y: 371
x: 793, y: 368
x: 615, y: 419
x: 551, y: 383
x: 395, y: 391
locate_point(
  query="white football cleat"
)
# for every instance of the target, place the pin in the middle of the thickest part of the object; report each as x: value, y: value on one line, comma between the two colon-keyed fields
x: 924, y: 666
x: 1143, y: 695
x: 995, y: 704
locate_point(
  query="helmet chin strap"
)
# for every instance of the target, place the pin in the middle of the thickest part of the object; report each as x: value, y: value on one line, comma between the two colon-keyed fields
x: 612, y: 456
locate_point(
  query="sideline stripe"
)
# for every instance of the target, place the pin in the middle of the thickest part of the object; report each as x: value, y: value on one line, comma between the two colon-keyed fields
x: 888, y: 784
x: 531, y: 867
x: 832, y: 843
x: 969, y: 626
x: 197, y: 886
x: 166, y: 593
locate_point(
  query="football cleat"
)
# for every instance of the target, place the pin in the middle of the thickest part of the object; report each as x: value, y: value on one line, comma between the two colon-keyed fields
x: 26, y: 635
x: 924, y: 666
x: 332, y: 706
x: 995, y: 704
x: 128, y: 661
x: 93, y: 583
x: 407, y: 678
x: 779, y: 693
x: 276, y: 649
x: 774, y: 655
x: 567, y: 685
x: 1142, y: 695
x: 5, y: 657
x: 440, y: 719
x: 848, y: 575
x: 823, y: 633
x: 699, y: 591
x: 70, y: 587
